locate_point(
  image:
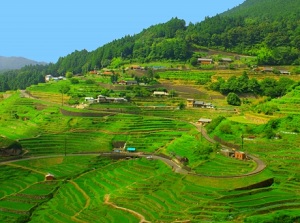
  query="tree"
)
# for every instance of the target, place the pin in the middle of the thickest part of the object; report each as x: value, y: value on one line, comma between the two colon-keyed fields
x: 283, y: 85
x: 150, y: 74
x: 194, y: 61
x: 233, y: 99
x: 268, y: 87
x: 74, y: 81
x: 63, y: 90
x: 181, y: 105
x: 173, y: 93
x: 254, y: 86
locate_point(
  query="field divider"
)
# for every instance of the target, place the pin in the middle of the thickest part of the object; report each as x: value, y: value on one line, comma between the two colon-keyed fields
x: 141, y: 217
x: 26, y: 168
x: 87, y: 203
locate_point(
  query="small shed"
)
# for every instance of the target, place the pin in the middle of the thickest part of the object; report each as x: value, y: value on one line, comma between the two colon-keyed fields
x: 119, y: 145
x: 284, y: 72
x: 204, y: 121
x: 205, y: 61
x: 131, y: 149
x: 240, y: 155
x: 131, y: 82
x: 267, y: 69
x: 227, y: 152
x: 49, y: 176
x: 199, y: 104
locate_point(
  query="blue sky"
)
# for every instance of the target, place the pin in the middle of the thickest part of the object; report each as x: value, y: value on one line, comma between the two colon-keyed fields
x: 46, y: 30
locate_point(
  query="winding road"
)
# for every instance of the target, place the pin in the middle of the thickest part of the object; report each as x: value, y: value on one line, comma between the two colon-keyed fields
x: 260, y: 165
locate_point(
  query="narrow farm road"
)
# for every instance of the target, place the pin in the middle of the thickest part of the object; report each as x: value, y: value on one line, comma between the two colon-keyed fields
x: 26, y: 168
x: 87, y: 203
x: 141, y: 217
x: 26, y: 95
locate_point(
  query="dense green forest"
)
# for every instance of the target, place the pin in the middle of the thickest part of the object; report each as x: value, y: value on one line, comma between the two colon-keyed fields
x: 267, y: 87
x: 272, y: 35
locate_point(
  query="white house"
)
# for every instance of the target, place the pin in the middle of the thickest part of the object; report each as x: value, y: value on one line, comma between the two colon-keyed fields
x: 160, y: 93
x: 48, y: 77
x: 89, y: 100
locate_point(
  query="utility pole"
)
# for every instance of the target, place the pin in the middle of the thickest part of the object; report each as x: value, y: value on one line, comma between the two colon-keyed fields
x: 242, y: 142
x: 201, y: 132
x: 65, y: 146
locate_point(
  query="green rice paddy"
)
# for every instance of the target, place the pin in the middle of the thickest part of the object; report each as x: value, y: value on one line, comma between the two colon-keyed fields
x: 89, y: 187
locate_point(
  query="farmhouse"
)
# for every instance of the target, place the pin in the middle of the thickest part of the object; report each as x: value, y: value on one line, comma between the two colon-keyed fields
x: 204, y: 61
x: 266, y: 69
x: 190, y: 103
x: 49, y: 176
x: 131, y: 82
x: 89, y: 100
x: 48, y: 77
x: 51, y: 78
x: 200, y: 104
x: 284, y: 72
x: 122, y: 82
x: 160, y: 93
x: 204, y: 121
x: 104, y: 99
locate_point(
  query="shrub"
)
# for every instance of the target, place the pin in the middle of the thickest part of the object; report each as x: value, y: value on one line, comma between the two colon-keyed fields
x: 233, y: 99
x: 181, y: 105
x: 90, y: 81
x: 69, y: 74
x: 226, y: 129
x: 214, y: 123
x: 74, y: 81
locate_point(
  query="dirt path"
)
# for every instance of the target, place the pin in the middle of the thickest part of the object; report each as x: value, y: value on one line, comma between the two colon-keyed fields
x: 26, y: 168
x: 87, y: 203
x: 26, y: 95
x: 141, y: 217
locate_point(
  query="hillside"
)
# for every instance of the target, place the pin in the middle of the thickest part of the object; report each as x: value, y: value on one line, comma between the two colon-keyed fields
x: 11, y: 63
x: 244, y: 29
x: 273, y: 41
x: 96, y: 180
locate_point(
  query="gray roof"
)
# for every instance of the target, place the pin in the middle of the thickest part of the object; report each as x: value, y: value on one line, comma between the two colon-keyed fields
x: 199, y: 103
x: 206, y: 120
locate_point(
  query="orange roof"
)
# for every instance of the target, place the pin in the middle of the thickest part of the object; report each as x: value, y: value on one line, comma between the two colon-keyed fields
x: 107, y: 73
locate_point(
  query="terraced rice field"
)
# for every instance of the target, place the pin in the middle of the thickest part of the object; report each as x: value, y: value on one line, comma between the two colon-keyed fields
x: 224, y: 166
x: 102, y: 190
x: 144, y: 133
x: 290, y: 103
x: 91, y: 188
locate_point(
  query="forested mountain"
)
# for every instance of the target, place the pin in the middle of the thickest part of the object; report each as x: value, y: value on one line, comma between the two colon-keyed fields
x: 268, y: 29
x: 265, y: 9
x: 9, y: 63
